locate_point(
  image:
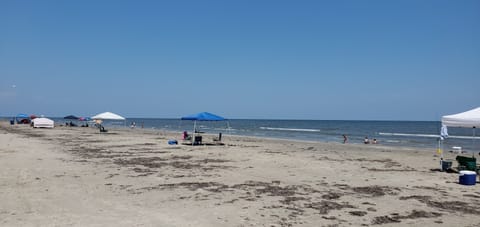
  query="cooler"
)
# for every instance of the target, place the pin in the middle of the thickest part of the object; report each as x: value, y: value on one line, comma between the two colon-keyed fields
x: 467, y: 177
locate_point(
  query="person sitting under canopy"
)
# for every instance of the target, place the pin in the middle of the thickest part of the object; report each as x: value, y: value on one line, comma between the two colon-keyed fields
x: 186, y: 136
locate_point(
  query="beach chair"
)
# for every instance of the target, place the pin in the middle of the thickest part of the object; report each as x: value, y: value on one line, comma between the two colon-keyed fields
x: 466, y: 163
x: 197, y: 140
x: 185, y: 136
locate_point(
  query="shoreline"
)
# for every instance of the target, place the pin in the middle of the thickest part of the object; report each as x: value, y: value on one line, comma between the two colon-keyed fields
x: 175, y: 133
x: 412, y: 141
x: 78, y: 176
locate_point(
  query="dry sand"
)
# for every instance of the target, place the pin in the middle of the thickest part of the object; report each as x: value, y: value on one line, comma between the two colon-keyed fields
x: 79, y: 177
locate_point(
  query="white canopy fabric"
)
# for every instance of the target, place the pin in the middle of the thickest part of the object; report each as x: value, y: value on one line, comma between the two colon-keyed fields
x: 468, y: 119
x: 42, y: 123
x: 108, y: 116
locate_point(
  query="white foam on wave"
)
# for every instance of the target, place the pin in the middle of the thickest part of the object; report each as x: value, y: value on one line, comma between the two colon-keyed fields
x: 425, y: 135
x: 392, y: 141
x: 291, y: 129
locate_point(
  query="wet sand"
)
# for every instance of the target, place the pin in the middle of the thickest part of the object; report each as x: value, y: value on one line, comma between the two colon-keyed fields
x: 80, y: 177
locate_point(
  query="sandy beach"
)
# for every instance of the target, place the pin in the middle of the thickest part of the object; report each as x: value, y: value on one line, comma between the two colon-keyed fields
x: 72, y: 176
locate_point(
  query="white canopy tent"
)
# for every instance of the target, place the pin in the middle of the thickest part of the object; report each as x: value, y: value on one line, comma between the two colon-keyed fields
x: 42, y: 123
x: 467, y: 119
x: 109, y: 116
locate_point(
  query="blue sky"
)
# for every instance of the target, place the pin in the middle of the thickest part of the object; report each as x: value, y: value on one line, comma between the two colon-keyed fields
x: 339, y: 60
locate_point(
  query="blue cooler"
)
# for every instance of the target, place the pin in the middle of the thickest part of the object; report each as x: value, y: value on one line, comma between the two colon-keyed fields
x: 467, y: 177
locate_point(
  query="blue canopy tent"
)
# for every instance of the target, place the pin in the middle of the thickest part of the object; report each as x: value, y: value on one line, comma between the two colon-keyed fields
x: 22, y: 118
x: 71, y: 117
x: 203, y: 116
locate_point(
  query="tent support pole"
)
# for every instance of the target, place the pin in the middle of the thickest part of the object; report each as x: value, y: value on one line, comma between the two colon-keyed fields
x: 194, y: 130
x: 228, y: 127
x: 440, y: 146
x: 473, y: 142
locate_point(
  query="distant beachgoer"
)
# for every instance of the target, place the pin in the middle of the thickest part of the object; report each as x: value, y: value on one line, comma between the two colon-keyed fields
x: 345, y: 138
x: 186, y: 136
x: 132, y: 125
x: 374, y: 141
x: 366, y: 141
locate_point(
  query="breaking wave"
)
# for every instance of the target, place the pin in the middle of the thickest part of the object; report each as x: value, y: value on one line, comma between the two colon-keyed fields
x: 425, y: 135
x: 291, y: 129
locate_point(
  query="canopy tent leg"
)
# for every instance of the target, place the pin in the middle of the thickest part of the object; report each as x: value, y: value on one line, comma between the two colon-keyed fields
x: 473, y: 141
x: 228, y: 127
x: 194, y: 130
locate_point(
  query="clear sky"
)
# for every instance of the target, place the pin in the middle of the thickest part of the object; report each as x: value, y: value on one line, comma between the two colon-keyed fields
x: 332, y: 60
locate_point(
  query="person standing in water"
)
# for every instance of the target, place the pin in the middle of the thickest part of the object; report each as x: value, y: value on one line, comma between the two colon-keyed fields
x: 366, y: 140
x: 345, y: 138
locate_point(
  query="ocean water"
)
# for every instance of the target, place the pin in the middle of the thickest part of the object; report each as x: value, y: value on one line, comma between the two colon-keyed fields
x: 422, y: 134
